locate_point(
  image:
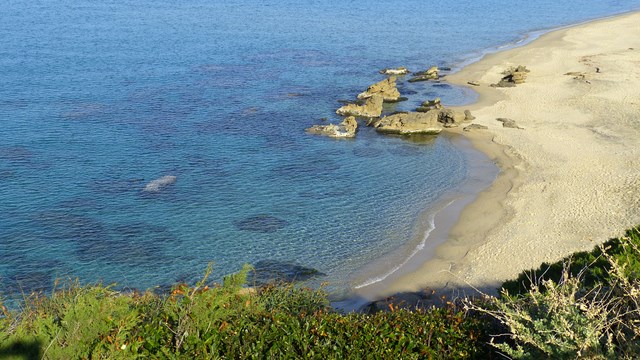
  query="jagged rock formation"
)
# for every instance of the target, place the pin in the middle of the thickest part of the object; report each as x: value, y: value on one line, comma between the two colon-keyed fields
x: 346, y: 129
x: 397, y: 71
x: 513, y: 76
x: 387, y: 88
x: 431, y: 74
x: 371, y: 108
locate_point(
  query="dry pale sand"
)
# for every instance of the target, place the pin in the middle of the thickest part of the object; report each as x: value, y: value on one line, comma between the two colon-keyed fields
x: 570, y: 178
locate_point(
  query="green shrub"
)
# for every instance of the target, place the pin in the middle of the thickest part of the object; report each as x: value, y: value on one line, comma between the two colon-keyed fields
x: 228, y: 321
x: 573, y: 318
x: 592, y: 267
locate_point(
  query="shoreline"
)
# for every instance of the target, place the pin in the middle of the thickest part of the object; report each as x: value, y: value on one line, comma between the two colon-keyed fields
x: 506, y: 230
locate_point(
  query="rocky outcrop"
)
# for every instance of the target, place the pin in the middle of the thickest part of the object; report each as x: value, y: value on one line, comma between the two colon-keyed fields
x: 513, y: 76
x: 468, y: 116
x: 474, y: 127
x: 429, y: 122
x: 430, y: 105
x: 450, y: 118
x: 371, y: 108
x: 397, y: 71
x: 160, y: 183
x: 387, y: 88
x: 431, y: 74
x: 409, y: 123
x: 346, y: 129
x: 509, y: 123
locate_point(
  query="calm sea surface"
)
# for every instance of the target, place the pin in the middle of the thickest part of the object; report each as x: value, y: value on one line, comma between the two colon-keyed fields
x: 98, y: 98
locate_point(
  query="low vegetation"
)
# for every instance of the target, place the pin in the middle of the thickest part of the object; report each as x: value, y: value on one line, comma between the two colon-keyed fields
x: 586, y: 306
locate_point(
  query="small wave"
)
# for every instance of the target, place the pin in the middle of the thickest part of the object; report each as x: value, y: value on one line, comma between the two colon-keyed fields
x: 419, y: 247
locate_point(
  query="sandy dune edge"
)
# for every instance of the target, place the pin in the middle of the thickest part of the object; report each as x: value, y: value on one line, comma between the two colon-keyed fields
x: 570, y: 178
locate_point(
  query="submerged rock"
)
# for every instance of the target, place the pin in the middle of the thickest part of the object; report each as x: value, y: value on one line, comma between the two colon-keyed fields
x: 261, y: 223
x: 371, y: 108
x: 273, y: 271
x: 397, y: 71
x: 387, y: 88
x: 346, y: 129
x: 160, y: 183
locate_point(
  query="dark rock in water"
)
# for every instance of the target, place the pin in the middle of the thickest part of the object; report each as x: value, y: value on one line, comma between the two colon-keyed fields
x: 27, y: 283
x: 346, y: 129
x: 261, y: 223
x: 430, y: 74
x: 274, y: 271
x: 442, y: 85
x: 367, y: 152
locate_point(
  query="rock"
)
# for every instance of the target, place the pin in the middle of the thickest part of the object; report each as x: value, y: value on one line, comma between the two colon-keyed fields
x: 450, y: 118
x: 430, y: 105
x: 275, y: 271
x: 508, y: 123
x: 396, y: 71
x: 468, y: 116
x: 430, y: 74
x: 261, y: 223
x: 513, y: 76
x: 387, y: 88
x: 409, y: 123
x: 474, y: 83
x: 474, y: 127
x: 346, y: 129
x: 160, y: 183
x: 408, y: 301
x: 371, y: 108
x: 401, y: 98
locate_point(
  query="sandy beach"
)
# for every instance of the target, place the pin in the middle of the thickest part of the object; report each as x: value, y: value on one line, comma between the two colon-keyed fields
x: 570, y: 175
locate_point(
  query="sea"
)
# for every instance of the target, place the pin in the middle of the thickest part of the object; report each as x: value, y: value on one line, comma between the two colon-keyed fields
x: 100, y: 98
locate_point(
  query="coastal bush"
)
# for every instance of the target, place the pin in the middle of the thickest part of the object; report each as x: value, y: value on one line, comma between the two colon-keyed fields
x: 592, y: 266
x: 573, y: 318
x: 206, y: 321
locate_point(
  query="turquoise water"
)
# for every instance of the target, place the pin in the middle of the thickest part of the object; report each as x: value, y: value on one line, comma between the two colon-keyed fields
x: 97, y: 99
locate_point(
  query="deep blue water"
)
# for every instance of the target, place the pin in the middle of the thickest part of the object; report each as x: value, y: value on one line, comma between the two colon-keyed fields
x: 99, y: 98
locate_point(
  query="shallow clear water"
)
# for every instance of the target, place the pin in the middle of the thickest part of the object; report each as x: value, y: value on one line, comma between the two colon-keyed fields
x: 99, y: 98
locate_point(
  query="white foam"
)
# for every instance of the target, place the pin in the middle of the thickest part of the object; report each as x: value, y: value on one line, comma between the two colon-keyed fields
x: 419, y: 247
